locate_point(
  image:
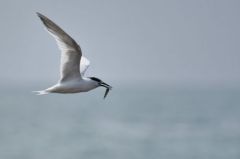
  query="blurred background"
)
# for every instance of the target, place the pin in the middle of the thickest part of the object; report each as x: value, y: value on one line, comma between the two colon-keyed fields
x: 174, y: 67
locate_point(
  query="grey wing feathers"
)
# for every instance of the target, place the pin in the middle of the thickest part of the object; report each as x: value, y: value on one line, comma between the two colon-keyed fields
x: 71, y: 52
x: 58, y: 33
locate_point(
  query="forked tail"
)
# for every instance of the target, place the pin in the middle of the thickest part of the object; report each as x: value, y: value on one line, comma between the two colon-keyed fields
x: 43, y: 92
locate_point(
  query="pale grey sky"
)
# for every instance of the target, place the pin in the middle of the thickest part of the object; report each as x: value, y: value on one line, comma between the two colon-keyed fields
x: 169, y: 41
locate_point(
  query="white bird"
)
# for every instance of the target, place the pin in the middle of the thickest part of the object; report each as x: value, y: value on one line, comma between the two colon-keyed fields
x: 73, y: 64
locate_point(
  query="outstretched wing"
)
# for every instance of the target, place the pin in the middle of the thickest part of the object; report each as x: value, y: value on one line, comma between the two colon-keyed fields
x: 84, y: 64
x: 70, y: 51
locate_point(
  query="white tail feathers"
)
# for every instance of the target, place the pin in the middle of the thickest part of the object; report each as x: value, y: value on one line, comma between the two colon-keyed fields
x: 43, y: 92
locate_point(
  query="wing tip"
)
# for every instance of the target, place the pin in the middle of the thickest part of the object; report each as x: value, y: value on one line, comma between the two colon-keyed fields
x: 42, y: 17
x: 47, y: 22
x: 39, y: 14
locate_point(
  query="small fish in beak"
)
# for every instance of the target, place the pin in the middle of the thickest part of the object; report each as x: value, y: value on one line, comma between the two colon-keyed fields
x: 108, y: 87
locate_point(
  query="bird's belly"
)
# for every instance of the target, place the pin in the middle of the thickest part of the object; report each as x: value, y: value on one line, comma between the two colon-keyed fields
x: 72, y: 88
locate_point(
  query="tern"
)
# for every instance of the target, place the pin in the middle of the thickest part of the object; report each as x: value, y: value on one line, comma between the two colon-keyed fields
x: 73, y: 64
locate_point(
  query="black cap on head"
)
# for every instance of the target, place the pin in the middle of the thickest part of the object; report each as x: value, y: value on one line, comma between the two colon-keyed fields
x: 95, y: 79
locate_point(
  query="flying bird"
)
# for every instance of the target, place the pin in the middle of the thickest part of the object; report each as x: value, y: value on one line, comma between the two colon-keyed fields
x: 73, y: 64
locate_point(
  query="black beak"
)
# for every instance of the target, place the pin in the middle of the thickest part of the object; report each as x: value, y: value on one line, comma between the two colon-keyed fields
x: 108, y: 87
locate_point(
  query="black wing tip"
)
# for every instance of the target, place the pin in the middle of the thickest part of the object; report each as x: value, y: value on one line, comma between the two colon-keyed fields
x: 41, y: 16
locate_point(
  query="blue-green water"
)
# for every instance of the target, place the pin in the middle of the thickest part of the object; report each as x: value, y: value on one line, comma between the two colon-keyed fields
x: 132, y: 123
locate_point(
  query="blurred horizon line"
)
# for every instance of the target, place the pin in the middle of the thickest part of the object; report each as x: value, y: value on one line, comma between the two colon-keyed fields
x: 143, y: 83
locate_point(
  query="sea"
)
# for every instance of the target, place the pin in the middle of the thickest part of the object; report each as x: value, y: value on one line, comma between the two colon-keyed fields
x: 133, y: 122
